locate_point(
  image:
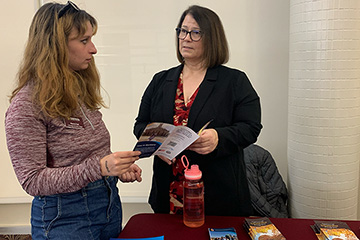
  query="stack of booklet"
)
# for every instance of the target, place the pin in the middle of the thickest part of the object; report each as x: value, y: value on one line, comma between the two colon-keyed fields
x: 328, y: 230
x: 262, y: 228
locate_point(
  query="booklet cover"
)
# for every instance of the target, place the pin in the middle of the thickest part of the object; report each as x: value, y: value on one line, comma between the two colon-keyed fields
x: 331, y: 230
x: 165, y: 139
x: 262, y: 228
x: 222, y: 233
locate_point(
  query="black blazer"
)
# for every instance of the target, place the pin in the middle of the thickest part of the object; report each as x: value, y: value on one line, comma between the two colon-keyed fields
x: 226, y: 96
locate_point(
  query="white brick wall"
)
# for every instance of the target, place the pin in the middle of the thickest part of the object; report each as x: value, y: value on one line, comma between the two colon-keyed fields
x: 324, y: 108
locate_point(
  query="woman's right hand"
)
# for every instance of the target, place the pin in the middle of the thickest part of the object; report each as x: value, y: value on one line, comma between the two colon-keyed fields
x: 117, y: 163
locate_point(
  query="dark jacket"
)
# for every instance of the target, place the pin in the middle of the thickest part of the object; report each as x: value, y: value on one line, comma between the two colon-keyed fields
x: 267, y: 189
x: 226, y: 96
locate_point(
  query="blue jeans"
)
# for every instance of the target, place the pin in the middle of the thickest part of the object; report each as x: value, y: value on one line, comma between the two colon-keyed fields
x: 92, y: 213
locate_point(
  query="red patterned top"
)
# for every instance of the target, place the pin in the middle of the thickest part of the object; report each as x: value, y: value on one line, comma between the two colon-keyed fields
x: 180, y: 118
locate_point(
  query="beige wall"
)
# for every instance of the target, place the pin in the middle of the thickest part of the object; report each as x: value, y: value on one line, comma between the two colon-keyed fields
x: 15, y: 22
x: 324, y: 109
x: 134, y: 43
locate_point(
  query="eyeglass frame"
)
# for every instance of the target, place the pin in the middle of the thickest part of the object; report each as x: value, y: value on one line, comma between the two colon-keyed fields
x: 178, y: 31
x: 69, y: 5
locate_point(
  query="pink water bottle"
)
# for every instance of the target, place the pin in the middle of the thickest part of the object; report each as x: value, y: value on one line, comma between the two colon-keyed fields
x: 193, y: 212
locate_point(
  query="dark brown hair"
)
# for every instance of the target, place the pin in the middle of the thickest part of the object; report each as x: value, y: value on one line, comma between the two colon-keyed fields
x: 216, y: 51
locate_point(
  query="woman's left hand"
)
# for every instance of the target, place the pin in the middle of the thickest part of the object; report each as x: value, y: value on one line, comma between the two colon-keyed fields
x: 207, y: 142
x: 134, y: 174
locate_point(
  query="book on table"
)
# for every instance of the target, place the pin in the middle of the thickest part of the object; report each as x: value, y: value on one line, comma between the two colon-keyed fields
x: 222, y: 233
x: 262, y: 228
x: 333, y: 230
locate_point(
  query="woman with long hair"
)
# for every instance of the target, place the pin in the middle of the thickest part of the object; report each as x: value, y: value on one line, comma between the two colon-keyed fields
x: 58, y: 143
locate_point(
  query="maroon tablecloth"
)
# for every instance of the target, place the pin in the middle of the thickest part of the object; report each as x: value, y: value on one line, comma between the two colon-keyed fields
x: 171, y: 226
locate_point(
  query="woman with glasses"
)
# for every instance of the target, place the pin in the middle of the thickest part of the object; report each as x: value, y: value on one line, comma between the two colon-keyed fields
x: 58, y: 143
x: 199, y: 90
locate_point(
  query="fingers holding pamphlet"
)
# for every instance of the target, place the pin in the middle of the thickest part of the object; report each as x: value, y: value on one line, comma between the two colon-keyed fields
x: 165, y: 139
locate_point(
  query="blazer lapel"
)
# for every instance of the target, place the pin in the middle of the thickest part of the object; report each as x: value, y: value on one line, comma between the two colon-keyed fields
x: 169, y: 92
x: 203, y: 96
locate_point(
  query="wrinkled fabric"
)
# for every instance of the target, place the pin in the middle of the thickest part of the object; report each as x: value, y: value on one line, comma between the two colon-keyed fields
x: 268, y: 191
x: 181, y: 115
x: 54, y: 155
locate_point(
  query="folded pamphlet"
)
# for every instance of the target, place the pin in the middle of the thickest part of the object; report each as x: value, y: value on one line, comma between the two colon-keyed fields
x: 165, y: 139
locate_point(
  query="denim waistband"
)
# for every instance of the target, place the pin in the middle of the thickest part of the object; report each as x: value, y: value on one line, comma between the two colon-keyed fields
x: 108, y: 180
x: 89, y: 213
x: 101, y: 182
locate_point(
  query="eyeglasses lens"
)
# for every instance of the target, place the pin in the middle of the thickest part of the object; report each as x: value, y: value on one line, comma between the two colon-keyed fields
x: 195, y: 35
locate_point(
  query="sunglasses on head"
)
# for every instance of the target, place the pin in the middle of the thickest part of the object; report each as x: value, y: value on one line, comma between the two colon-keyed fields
x: 67, y: 7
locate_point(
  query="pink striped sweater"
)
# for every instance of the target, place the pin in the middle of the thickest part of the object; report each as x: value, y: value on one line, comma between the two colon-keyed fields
x: 52, y: 156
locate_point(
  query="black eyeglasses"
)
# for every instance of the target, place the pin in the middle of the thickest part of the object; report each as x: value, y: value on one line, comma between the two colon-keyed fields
x: 195, y: 35
x: 67, y: 7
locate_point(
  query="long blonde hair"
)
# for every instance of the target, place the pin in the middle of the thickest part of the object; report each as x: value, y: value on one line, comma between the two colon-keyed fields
x: 56, y: 88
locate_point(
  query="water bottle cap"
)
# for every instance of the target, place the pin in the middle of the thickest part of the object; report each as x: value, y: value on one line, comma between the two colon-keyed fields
x: 193, y: 173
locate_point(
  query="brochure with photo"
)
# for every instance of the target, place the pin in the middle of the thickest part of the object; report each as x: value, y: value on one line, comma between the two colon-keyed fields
x: 222, y: 234
x: 165, y: 139
x: 334, y: 230
x: 262, y: 228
